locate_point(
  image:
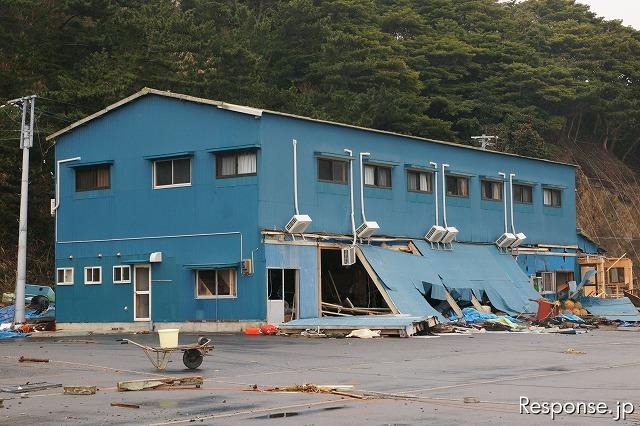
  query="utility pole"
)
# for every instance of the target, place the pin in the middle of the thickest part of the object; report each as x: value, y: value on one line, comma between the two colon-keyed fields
x: 26, y: 142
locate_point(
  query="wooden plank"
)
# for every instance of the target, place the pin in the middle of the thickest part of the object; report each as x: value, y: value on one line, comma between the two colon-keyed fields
x: 160, y: 383
x: 453, y: 304
x: 376, y: 281
x: 80, y: 390
x: 124, y: 405
x: 475, y: 303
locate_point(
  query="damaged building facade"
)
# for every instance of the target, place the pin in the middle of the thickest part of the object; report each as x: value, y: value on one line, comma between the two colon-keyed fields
x: 174, y: 209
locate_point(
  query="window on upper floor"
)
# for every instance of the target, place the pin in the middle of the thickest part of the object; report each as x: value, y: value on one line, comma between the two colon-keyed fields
x: 93, y: 178
x: 64, y: 276
x: 522, y: 194
x: 122, y: 274
x: 616, y: 275
x: 552, y: 197
x: 419, y: 181
x: 93, y: 275
x: 214, y: 283
x: 378, y: 176
x: 172, y: 173
x: 236, y: 163
x: 491, y: 190
x: 457, y: 186
x: 333, y: 170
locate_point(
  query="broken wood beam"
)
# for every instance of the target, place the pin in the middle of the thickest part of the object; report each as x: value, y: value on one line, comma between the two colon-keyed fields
x: 25, y: 359
x: 476, y: 304
x: 80, y: 390
x: 124, y: 405
x: 160, y: 383
x: 454, y: 305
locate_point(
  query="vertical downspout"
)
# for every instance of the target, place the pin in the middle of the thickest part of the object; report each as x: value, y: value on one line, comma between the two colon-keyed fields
x: 295, y: 175
x: 353, y: 218
x: 444, y: 196
x: 435, y: 190
x: 513, y: 225
x: 504, y: 195
x: 362, y: 155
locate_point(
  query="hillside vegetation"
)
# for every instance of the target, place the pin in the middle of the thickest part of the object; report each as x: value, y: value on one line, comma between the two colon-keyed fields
x: 549, y: 77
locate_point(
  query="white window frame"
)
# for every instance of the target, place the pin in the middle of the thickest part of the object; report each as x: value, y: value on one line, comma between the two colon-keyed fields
x: 86, y: 282
x: 173, y: 185
x: 234, y: 294
x: 122, y: 268
x: 65, y: 275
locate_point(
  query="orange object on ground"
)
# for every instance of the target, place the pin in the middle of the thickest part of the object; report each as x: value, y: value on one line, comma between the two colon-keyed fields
x: 268, y: 329
x: 252, y: 331
x: 546, y: 309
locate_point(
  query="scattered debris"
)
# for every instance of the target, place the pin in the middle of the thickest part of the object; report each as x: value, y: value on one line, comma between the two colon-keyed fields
x: 364, y: 333
x: 471, y: 400
x: 340, y: 390
x: 80, y: 390
x: 572, y: 351
x: 124, y: 405
x: 30, y: 387
x: 25, y: 359
x: 160, y: 383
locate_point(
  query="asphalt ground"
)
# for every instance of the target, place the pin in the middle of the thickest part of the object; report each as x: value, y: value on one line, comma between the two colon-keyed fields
x: 404, y: 381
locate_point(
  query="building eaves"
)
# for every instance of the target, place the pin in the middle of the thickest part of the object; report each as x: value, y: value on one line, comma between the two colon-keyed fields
x: 259, y: 112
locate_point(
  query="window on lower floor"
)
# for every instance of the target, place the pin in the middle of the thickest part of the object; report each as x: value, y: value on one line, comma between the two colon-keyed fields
x: 458, y: 186
x: 379, y: 176
x: 238, y: 163
x: 93, y: 178
x: 616, y: 275
x: 419, y: 181
x: 213, y: 283
x: 93, y: 275
x: 175, y: 172
x: 121, y: 274
x: 491, y: 190
x: 64, y: 276
x: 332, y: 170
x: 522, y: 194
x: 552, y: 197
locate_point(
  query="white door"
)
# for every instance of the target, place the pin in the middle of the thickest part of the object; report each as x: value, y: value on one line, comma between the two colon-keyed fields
x: 142, y: 293
x: 275, y: 296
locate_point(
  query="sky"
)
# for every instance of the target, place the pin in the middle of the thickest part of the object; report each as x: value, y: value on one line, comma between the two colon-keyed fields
x: 627, y: 10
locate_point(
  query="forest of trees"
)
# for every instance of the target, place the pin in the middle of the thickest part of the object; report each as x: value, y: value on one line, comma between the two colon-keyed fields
x: 537, y: 73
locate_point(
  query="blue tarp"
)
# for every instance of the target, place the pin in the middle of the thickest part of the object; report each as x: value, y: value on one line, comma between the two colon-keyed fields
x: 467, y: 269
x: 8, y: 312
x: 612, y: 309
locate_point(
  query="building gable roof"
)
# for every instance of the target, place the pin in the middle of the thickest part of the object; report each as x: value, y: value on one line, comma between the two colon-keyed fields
x: 259, y: 112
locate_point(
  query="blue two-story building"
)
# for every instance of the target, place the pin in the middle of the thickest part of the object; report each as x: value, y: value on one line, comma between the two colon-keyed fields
x: 173, y: 209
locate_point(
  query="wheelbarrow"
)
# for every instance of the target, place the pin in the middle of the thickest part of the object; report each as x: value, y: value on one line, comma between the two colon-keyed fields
x: 192, y: 356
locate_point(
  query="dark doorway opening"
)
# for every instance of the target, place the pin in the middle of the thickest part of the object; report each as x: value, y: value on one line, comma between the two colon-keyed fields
x: 348, y: 290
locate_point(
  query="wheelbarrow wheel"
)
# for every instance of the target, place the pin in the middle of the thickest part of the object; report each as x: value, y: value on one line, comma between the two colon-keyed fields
x: 192, y: 358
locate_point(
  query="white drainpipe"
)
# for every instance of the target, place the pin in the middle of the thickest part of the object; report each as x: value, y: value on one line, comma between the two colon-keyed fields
x: 513, y: 225
x: 295, y: 175
x: 353, y: 218
x: 444, y: 196
x: 504, y: 195
x: 435, y: 190
x: 362, y: 155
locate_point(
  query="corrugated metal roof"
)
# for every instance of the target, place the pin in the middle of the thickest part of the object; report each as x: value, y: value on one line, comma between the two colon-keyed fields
x: 259, y: 112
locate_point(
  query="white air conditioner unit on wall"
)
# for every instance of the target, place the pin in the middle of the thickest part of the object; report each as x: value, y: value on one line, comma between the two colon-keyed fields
x: 367, y: 229
x: 519, y: 238
x: 505, y: 240
x: 348, y: 256
x: 298, y: 224
x: 450, y: 235
x: 435, y: 234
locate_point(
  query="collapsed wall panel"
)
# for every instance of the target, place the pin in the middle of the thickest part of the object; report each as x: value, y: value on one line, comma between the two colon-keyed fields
x: 468, y: 270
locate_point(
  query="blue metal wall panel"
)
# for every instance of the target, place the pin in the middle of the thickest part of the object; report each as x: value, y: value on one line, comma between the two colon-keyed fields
x: 397, y: 211
x: 155, y: 125
x: 305, y: 260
